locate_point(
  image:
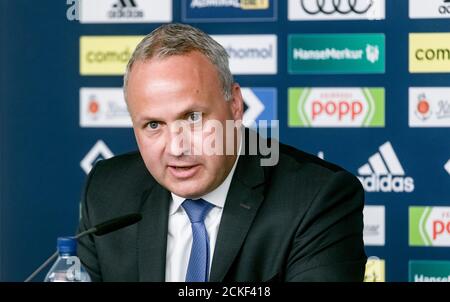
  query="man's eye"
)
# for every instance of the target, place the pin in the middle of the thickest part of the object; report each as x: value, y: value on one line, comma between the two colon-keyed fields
x: 194, y: 117
x: 153, y: 125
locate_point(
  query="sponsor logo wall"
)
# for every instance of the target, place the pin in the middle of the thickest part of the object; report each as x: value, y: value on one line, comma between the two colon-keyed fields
x: 362, y: 83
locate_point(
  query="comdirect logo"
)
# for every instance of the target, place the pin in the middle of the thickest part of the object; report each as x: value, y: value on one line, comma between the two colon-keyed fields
x: 384, y: 173
x: 103, y: 107
x: 374, y: 225
x: 229, y: 10
x: 336, y: 9
x: 250, y: 54
x: 125, y: 11
x: 106, y: 55
x: 336, y: 53
x: 336, y: 107
x: 429, y: 226
x: 429, y: 271
x: 429, y: 52
x: 429, y: 107
x: 419, y: 9
x: 375, y: 270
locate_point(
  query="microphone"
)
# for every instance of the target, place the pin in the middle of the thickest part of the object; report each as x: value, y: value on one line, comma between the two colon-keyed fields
x: 99, y: 230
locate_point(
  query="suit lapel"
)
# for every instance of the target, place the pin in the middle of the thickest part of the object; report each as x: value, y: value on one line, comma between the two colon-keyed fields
x: 242, y: 203
x: 152, y: 235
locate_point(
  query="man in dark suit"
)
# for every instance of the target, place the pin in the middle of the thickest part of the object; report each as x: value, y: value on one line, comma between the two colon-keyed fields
x: 213, y: 216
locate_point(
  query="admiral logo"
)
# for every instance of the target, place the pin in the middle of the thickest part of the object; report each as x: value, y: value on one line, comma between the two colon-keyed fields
x: 250, y: 54
x: 103, y: 107
x: 429, y: 226
x: 429, y: 52
x: 336, y: 107
x: 374, y: 225
x: 228, y: 10
x: 432, y: 9
x: 384, y: 173
x: 336, y: 53
x: 336, y: 9
x: 429, y: 271
x: 244, y: 4
x: 429, y: 107
x: 125, y: 11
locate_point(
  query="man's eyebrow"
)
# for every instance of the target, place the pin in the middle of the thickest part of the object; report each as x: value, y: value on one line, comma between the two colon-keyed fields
x: 182, y: 114
x: 195, y: 108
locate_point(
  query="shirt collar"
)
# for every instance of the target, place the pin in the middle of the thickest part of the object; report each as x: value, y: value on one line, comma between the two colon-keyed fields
x: 216, y: 197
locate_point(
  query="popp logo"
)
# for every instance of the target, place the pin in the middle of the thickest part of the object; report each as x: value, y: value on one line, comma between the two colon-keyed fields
x: 441, y: 227
x: 429, y: 226
x: 336, y: 106
x: 340, y: 109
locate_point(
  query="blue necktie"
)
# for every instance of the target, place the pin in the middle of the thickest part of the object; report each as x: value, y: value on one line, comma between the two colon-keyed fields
x: 199, y: 260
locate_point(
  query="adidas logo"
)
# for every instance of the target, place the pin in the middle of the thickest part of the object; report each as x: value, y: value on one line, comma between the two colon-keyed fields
x: 124, y: 3
x: 125, y: 9
x: 384, y: 173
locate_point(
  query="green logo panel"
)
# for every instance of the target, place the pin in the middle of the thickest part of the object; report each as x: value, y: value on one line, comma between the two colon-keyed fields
x: 372, y: 100
x: 336, y: 53
x: 429, y: 271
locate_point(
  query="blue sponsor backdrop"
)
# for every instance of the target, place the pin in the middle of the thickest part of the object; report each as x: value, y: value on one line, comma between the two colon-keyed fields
x: 42, y: 144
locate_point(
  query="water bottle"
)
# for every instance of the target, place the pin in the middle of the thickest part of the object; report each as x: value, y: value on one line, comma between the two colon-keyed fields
x: 67, y: 267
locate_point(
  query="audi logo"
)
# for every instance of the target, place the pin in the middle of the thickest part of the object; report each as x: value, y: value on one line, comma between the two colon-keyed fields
x: 329, y: 7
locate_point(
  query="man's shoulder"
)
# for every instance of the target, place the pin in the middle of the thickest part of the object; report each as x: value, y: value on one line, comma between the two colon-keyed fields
x: 298, y: 167
x: 124, y: 169
x: 128, y: 160
x: 297, y: 161
x: 301, y: 158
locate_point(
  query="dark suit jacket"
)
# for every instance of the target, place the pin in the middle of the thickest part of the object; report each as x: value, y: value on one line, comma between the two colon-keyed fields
x: 300, y: 220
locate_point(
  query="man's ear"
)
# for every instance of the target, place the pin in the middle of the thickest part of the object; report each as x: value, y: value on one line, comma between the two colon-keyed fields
x: 236, y: 102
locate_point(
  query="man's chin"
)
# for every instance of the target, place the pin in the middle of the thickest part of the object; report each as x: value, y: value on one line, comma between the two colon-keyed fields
x: 187, y: 189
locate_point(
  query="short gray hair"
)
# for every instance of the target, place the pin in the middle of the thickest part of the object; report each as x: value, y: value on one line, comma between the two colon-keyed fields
x: 176, y: 39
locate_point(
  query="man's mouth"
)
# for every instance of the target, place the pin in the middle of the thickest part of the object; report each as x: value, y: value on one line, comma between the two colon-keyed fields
x: 183, y: 171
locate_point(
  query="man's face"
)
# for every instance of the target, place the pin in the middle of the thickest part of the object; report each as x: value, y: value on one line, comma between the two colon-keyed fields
x: 181, y: 90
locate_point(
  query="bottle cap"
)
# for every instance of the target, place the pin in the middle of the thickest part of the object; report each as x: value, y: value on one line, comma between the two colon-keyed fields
x: 67, y: 245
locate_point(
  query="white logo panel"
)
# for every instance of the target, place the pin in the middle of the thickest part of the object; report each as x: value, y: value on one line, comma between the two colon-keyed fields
x: 250, y: 54
x: 429, y: 9
x: 103, y: 107
x: 374, y: 225
x: 429, y: 106
x: 125, y: 11
x: 310, y: 10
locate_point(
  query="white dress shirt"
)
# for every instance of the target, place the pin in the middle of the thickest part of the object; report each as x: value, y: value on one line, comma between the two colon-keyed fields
x: 179, y: 235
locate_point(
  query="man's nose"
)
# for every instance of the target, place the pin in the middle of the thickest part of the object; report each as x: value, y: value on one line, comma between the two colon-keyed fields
x: 179, y: 140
